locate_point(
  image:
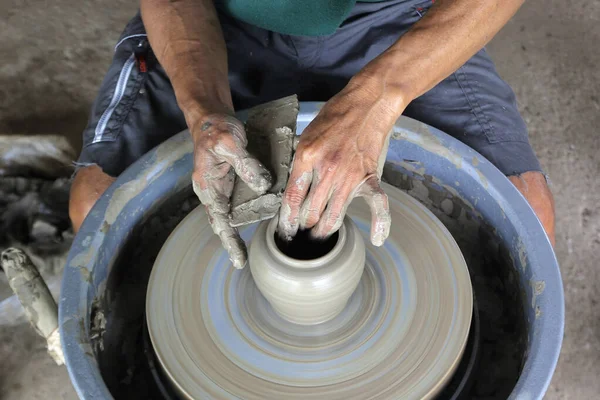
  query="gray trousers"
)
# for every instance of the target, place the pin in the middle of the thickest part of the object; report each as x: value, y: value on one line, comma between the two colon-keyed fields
x: 136, y: 108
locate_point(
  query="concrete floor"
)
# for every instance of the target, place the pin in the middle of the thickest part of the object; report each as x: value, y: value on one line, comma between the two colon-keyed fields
x: 54, y: 55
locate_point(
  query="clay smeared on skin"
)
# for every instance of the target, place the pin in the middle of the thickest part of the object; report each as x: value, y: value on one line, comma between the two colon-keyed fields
x: 235, y: 246
x: 328, y: 223
x: 253, y: 173
x: 288, y: 225
x: 219, y: 221
x: 305, y: 212
x: 307, y: 207
x: 378, y: 202
x: 380, y: 230
x: 213, y: 198
x: 304, y: 180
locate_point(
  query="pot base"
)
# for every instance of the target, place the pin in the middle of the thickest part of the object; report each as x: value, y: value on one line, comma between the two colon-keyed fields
x: 216, y: 336
x: 293, y: 319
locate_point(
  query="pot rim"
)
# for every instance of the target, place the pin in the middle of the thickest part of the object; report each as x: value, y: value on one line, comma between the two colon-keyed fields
x: 305, y: 264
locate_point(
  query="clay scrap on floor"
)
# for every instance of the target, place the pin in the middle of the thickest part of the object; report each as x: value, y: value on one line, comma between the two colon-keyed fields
x: 271, y: 129
x: 34, y: 196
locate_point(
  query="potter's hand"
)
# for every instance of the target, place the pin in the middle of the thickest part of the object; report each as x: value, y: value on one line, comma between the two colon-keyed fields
x: 220, y: 154
x: 339, y: 157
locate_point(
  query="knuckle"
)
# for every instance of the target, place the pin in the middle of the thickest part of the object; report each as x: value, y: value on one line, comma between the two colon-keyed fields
x: 334, y: 157
x: 312, y: 218
x: 334, y: 221
x: 324, y: 229
x: 307, y: 154
x: 293, y: 197
x: 198, y: 177
x: 226, y: 140
x: 380, y: 197
x: 379, y: 192
x: 334, y: 216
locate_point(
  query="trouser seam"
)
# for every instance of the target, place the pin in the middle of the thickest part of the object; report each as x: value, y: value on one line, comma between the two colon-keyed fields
x: 476, y: 109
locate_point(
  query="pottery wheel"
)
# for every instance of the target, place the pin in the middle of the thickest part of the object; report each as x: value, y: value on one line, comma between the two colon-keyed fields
x: 400, y: 336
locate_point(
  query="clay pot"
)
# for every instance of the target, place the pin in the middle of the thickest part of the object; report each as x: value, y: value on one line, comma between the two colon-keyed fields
x: 307, y: 291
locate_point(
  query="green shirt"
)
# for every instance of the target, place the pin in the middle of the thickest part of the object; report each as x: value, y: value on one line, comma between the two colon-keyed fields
x: 292, y: 17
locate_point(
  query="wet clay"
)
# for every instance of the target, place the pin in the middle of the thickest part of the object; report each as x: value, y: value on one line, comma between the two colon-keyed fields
x: 48, y: 156
x: 122, y: 360
x: 35, y: 297
x: 270, y: 129
x: 217, y: 336
x: 314, y: 286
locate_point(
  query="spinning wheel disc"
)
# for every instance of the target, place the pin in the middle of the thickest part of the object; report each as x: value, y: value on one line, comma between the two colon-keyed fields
x: 401, y: 334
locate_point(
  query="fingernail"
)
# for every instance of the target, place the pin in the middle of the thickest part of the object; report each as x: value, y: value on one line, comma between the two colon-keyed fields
x: 285, y: 233
x: 381, y: 234
x: 264, y: 181
x: 260, y: 181
x: 314, y: 234
x: 378, y: 240
x: 239, y: 264
x: 304, y: 213
x: 286, y: 227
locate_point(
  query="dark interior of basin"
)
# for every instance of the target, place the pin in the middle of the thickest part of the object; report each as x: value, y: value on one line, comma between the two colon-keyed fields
x: 123, y: 361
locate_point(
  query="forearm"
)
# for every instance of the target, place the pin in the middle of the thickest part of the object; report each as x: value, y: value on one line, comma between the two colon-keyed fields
x: 436, y: 46
x: 187, y: 39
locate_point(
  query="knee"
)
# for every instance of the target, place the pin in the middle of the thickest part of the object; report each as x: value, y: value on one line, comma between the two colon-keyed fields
x: 534, y: 188
x: 88, y: 185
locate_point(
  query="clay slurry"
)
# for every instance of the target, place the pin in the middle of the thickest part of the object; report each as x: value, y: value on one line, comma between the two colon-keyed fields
x: 305, y: 247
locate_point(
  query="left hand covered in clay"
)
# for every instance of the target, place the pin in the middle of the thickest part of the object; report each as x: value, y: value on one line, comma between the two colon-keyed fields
x: 340, y: 156
x: 219, y: 155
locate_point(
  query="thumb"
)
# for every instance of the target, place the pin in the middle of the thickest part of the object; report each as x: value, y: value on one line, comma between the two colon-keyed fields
x: 377, y: 200
x: 230, y: 238
x: 247, y: 167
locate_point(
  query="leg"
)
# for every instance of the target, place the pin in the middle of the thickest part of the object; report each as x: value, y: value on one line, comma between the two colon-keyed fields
x: 135, y: 111
x: 534, y: 187
x: 88, y: 185
x: 477, y: 107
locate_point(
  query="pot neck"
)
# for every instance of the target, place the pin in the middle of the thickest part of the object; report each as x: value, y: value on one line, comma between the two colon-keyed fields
x: 304, y: 264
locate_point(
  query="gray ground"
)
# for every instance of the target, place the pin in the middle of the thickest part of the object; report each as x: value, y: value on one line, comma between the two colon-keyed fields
x: 53, y: 56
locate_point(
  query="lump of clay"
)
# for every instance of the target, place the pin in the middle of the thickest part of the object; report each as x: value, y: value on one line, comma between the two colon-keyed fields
x: 270, y: 129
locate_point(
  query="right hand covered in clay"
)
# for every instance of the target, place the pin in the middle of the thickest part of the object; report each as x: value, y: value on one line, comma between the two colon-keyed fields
x: 220, y: 154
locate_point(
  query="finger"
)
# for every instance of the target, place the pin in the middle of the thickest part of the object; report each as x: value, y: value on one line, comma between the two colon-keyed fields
x: 333, y: 216
x: 248, y: 168
x: 215, y: 194
x: 380, y: 210
x: 230, y: 238
x: 298, y: 184
x: 314, y: 204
